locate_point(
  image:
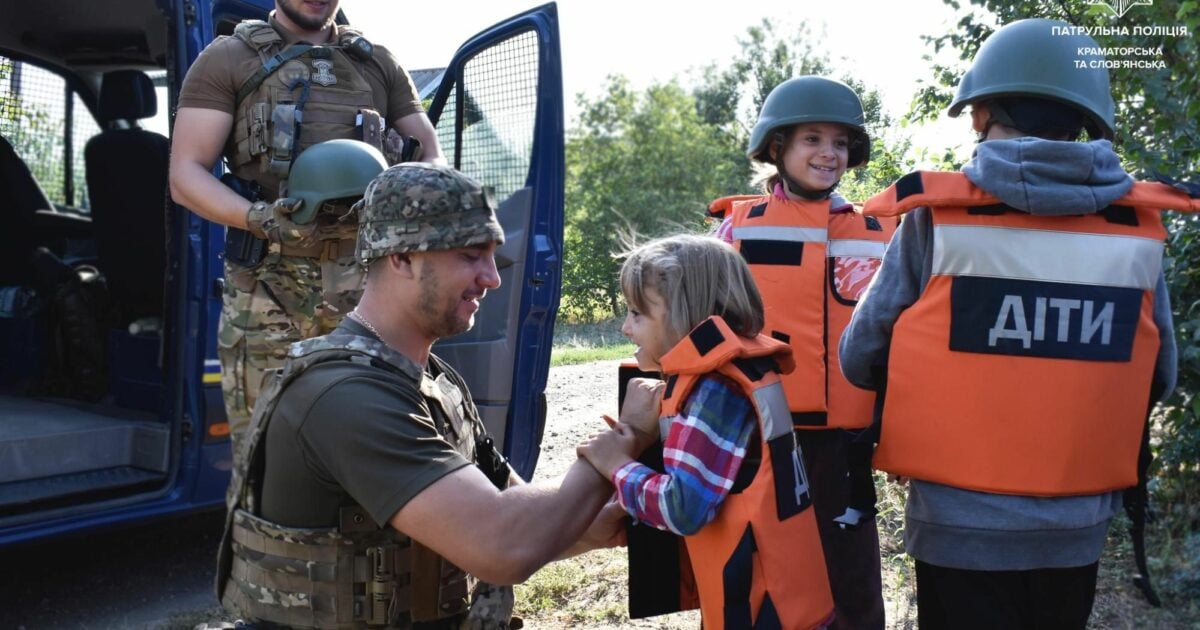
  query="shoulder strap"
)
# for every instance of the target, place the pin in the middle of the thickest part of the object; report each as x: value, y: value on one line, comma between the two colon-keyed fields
x: 1159, y: 196
x: 927, y: 189
x: 268, y: 68
x: 930, y: 189
x: 723, y: 207
x: 258, y: 35
x: 712, y: 344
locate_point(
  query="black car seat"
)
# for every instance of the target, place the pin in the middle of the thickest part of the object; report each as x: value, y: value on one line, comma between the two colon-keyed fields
x: 127, y: 186
x: 20, y: 198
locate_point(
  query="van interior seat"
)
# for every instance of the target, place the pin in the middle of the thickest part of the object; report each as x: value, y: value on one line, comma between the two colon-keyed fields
x: 20, y: 198
x: 127, y: 186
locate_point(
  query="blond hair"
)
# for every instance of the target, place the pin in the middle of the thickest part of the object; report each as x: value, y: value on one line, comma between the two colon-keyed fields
x: 697, y: 277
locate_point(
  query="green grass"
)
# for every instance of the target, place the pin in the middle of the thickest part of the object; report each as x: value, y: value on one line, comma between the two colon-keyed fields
x: 588, y: 589
x: 584, y: 343
x: 572, y: 356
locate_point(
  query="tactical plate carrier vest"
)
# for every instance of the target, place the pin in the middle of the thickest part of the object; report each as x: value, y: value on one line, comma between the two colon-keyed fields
x: 293, y: 98
x: 354, y: 575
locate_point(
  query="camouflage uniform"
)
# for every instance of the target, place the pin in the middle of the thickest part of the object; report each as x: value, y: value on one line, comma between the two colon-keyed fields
x: 308, y: 281
x: 312, y: 577
x: 267, y: 308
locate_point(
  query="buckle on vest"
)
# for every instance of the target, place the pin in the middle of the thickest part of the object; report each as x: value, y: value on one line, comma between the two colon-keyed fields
x: 382, y: 588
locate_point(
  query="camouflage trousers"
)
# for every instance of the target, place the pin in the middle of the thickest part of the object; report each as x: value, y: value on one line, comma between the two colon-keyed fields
x: 268, y: 308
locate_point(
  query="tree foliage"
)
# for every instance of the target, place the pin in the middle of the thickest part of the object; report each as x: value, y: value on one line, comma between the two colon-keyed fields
x: 639, y: 163
x: 649, y: 162
x: 1158, y: 110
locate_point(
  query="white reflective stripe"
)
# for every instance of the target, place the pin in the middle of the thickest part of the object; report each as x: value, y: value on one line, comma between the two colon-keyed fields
x: 780, y: 233
x: 1042, y: 255
x: 772, y: 407
x: 856, y: 248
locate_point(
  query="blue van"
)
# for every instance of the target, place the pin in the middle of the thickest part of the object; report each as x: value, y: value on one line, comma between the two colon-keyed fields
x: 110, y: 400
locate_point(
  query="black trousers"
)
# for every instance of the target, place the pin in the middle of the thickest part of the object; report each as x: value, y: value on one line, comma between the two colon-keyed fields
x: 1038, y: 599
x: 851, y: 556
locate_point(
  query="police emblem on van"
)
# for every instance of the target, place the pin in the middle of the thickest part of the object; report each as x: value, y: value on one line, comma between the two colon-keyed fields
x: 322, y: 74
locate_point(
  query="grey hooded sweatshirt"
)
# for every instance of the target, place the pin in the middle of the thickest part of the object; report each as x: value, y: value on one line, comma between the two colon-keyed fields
x: 963, y: 529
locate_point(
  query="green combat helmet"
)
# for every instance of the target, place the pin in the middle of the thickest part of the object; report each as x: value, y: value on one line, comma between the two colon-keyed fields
x: 416, y: 207
x: 1041, y: 59
x: 810, y: 99
x: 330, y: 171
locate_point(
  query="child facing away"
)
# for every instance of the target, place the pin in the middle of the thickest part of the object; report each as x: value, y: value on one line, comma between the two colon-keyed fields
x: 734, y: 483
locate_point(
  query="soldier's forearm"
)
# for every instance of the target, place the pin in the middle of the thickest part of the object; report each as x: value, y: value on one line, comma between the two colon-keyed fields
x: 195, y: 188
x: 551, y: 518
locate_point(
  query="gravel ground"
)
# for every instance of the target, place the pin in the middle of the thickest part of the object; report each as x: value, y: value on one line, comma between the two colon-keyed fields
x: 588, y: 591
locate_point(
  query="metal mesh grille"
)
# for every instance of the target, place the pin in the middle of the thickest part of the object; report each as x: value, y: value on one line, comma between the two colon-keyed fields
x: 498, y: 93
x: 33, y: 118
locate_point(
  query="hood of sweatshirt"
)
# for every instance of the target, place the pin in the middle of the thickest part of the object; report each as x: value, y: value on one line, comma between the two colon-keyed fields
x: 1047, y: 177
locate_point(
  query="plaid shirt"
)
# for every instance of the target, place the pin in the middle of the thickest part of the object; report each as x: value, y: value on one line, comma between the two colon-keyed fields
x: 702, y: 454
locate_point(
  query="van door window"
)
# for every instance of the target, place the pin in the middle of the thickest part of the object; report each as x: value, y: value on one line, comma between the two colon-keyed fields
x: 494, y: 114
x: 48, y: 124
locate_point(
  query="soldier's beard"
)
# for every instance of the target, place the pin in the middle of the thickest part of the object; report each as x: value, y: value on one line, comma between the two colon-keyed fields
x: 305, y: 22
x: 442, y: 318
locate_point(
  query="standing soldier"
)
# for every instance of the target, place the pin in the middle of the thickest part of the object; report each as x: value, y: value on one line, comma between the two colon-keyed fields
x: 812, y: 254
x: 1020, y: 330
x: 260, y: 98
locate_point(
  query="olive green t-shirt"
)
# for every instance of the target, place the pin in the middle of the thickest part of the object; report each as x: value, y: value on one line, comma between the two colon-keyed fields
x: 346, y: 433
x: 210, y: 82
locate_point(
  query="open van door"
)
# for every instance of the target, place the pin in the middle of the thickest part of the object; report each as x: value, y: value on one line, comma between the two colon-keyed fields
x: 499, y: 119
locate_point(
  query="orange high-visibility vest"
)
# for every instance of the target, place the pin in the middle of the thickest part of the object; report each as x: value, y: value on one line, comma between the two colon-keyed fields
x: 759, y: 562
x: 1025, y: 365
x: 811, y: 267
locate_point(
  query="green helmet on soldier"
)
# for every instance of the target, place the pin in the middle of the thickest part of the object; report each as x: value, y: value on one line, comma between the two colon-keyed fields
x: 417, y: 207
x: 333, y: 170
x: 809, y: 99
x: 1040, y: 60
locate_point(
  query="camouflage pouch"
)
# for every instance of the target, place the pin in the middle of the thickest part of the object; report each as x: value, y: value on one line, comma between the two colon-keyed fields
x: 491, y: 609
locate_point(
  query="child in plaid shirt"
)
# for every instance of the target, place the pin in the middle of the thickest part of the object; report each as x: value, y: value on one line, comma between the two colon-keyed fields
x: 708, y: 441
x: 671, y: 285
x: 691, y: 292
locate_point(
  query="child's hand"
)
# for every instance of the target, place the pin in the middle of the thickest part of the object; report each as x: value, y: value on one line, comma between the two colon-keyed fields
x: 643, y: 397
x: 609, y: 450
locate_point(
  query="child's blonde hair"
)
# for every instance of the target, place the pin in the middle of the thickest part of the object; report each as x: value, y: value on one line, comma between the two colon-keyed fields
x: 697, y: 277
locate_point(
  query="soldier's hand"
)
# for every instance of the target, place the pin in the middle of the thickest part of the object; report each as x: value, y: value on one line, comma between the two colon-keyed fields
x: 640, y: 412
x: 608, y: 528
x: 272, y: 221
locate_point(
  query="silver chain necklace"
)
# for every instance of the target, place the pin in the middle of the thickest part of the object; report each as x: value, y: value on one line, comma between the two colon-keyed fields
x: 363, y: 320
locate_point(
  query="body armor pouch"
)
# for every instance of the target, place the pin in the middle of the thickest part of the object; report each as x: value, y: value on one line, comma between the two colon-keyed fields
x: 241, y: 247
x: 334, y: 578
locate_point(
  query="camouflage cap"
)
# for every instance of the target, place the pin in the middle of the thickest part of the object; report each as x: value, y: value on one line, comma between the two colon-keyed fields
x: 417, y: 207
